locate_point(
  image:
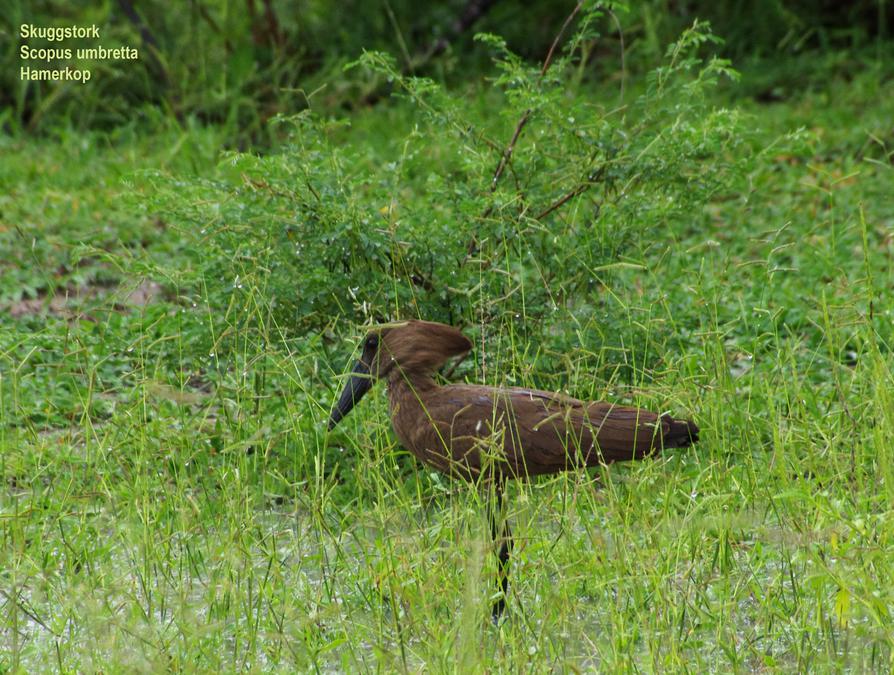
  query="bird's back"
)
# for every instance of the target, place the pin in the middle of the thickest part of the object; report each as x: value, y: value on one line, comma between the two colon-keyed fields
x: 466, y: 428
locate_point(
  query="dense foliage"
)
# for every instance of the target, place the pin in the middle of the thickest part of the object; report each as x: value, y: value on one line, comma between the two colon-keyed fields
x: 337, y: 233
x: 239, y: 64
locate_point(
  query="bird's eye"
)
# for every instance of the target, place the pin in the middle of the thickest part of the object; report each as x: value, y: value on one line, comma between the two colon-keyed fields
x: 371, y: 342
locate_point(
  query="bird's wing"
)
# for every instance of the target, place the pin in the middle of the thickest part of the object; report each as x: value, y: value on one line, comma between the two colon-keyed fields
x: 550, y: 398
x: 527, y: 431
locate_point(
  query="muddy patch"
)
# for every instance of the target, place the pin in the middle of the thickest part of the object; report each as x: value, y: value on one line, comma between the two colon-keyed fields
x: 75, y: 302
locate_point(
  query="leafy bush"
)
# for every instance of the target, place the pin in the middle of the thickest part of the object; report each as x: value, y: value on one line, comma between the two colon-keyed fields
x: 452, y: 224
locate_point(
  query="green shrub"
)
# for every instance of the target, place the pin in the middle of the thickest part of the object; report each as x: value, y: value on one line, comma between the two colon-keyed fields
x: 338, y: 229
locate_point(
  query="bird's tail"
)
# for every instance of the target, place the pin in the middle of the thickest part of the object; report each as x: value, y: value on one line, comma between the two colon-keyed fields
x: 680, y: 433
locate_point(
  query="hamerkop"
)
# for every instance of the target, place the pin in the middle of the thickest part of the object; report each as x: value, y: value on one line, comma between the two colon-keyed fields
x: 495, y: 433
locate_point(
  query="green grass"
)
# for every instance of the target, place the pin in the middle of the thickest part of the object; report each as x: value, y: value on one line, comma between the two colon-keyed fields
x: 171, y: 500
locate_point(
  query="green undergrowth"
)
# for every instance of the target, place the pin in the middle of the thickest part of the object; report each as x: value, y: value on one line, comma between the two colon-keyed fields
x: 171, y: 498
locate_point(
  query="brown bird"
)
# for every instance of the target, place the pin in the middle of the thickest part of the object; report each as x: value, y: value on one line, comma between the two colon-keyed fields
x: 472, y: 431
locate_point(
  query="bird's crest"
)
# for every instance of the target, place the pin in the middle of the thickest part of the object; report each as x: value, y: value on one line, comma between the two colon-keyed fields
x: 419, y: 346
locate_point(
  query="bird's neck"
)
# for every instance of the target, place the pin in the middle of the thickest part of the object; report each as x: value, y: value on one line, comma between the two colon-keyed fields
x: 402, y: 383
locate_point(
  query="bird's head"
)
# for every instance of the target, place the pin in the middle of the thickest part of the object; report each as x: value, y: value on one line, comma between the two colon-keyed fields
x: 397, y: 350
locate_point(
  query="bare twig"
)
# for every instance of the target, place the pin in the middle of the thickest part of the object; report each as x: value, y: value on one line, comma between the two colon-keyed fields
x: 547, y: 62
x: 459, y: 359
x: 264, y: 34
x: 510, y: 148
x: 568, y: 196
x: 549, y: 55
x: 273, y: 28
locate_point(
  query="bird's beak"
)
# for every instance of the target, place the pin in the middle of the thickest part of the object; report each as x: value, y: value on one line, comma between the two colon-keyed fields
x: 360, y: 383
